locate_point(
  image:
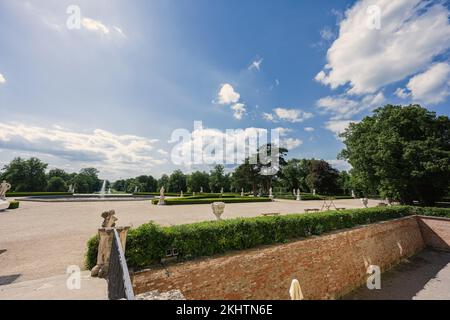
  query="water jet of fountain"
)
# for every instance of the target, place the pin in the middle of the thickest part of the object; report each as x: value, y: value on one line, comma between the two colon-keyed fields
x: 102, y: 191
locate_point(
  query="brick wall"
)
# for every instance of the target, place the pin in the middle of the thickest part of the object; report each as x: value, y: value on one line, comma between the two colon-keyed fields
x: 435, y: 232
x: 326, y: 267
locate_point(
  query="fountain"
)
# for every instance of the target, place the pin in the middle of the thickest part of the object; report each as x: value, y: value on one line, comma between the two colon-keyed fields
x: 103, y: 189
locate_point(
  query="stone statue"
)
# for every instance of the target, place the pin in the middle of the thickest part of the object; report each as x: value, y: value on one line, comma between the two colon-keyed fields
x: 4, y: 187
x: 242, y: 192
x: 161, y: 196
x: 109, y: 219
x: 221, y: 190
x: 353, y: 194
x: 270, y: 193
x: 293, y: 192
x: 365, y: 202
x: 181, y: 194
x: 298, y: 198
x: 314, y: 191
x: 201, y: 189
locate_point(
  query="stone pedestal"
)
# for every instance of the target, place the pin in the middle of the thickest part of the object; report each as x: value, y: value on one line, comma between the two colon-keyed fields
x: 4, y: 205
x: 104, y: 249
x: 161, y: 201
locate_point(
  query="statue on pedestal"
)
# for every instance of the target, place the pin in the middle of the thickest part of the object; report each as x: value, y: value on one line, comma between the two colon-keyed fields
x: 4, y: 187
x: 161, y: 197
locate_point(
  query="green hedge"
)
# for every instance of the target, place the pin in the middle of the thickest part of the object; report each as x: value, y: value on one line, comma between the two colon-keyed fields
x: 190, y: 200
x: 148, y: 243
x: 14, y: 205
x: 37, y: 194
x: 310, y: 196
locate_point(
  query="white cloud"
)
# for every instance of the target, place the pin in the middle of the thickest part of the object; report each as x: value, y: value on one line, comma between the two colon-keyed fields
x: 402, y: 93
x: 227, y: 95
x: 326, y: 34
x: 162, y: 152
x: 290, y: 143
x: 238, y: 110
x: 290, y: 115
x: 309, y: 129
x: 2, y: 79
x: 256, y: 64
x: 338, y: 126
x: 98, y: 148
x: 268, y: 117
x: 94, y: 25
x: 343, y: 107
x: 340, y: 165
x: 412, y: 34
x: 431, y: 86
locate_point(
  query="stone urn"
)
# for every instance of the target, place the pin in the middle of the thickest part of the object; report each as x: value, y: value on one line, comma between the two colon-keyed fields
x: 218, y: 209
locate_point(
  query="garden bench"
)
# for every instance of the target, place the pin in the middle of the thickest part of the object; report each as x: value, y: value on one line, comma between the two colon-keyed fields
x: 270, y: 214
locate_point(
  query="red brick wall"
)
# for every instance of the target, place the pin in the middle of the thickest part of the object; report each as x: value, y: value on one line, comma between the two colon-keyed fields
x: 435, y: 232
x: 326, y: 267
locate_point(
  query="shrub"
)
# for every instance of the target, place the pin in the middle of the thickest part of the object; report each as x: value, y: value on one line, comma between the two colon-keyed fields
x: 432, y: 212
x: 92, y: 250
x: 37, y: 194
x: 14, y: 205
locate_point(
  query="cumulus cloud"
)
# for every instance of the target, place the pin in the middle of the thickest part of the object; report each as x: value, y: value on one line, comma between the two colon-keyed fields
x: 98, y: 148
x: 289, y: 115
x: 412, y: 34
x: 238, y: 110
x: 343, y: 107
x: 431, y: 86
x: 340, y: 165
x: 2, y: 79
x: 338, y: 126
x: 309, y: 129
x: 227, y: 94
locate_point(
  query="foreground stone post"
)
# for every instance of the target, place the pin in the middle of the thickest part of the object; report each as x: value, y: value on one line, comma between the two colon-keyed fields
x: 104, y: 249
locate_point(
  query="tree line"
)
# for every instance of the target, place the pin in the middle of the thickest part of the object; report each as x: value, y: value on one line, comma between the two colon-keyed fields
x: 400, y: 152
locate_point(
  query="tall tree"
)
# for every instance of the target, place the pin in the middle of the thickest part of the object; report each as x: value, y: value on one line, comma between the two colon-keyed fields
x: 323, y: 178
x: 177, y: 181
x: 198, y: 180
x: 401, y: 151
x: 217, y: 178
x: 26, y: 175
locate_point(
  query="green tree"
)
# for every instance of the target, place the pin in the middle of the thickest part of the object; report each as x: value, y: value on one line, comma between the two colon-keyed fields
x: 198, y: 180
x: 59, y: 173
x: 26, y: 175
x: 401, y: 151
x: 164, y: 182
x: 294, y: 174
x: 323, y: 178
x: 148, y: 183
x: 177, y: 181
x: 56, y: 184
x: 217, y: 178
x: 87, y: 181
x: 345, y: 183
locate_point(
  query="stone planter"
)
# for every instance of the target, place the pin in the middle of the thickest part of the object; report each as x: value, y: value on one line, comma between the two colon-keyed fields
x: 218, y: 209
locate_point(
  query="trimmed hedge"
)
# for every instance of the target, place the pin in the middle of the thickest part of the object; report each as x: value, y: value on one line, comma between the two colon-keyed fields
x: 310, y: 196
x: 14, y: 205
x: 167, y: 194
x: 37, y: 194
x: 191, y: 200
x: 148, y: 243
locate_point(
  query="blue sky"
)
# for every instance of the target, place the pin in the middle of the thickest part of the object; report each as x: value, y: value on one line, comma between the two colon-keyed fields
x: 110, y: 93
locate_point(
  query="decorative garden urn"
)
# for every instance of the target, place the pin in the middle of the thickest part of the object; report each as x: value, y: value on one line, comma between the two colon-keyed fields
x: 218, y: 208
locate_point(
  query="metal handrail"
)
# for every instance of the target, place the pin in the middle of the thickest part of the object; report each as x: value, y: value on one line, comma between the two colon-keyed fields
x: 119, y: 282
